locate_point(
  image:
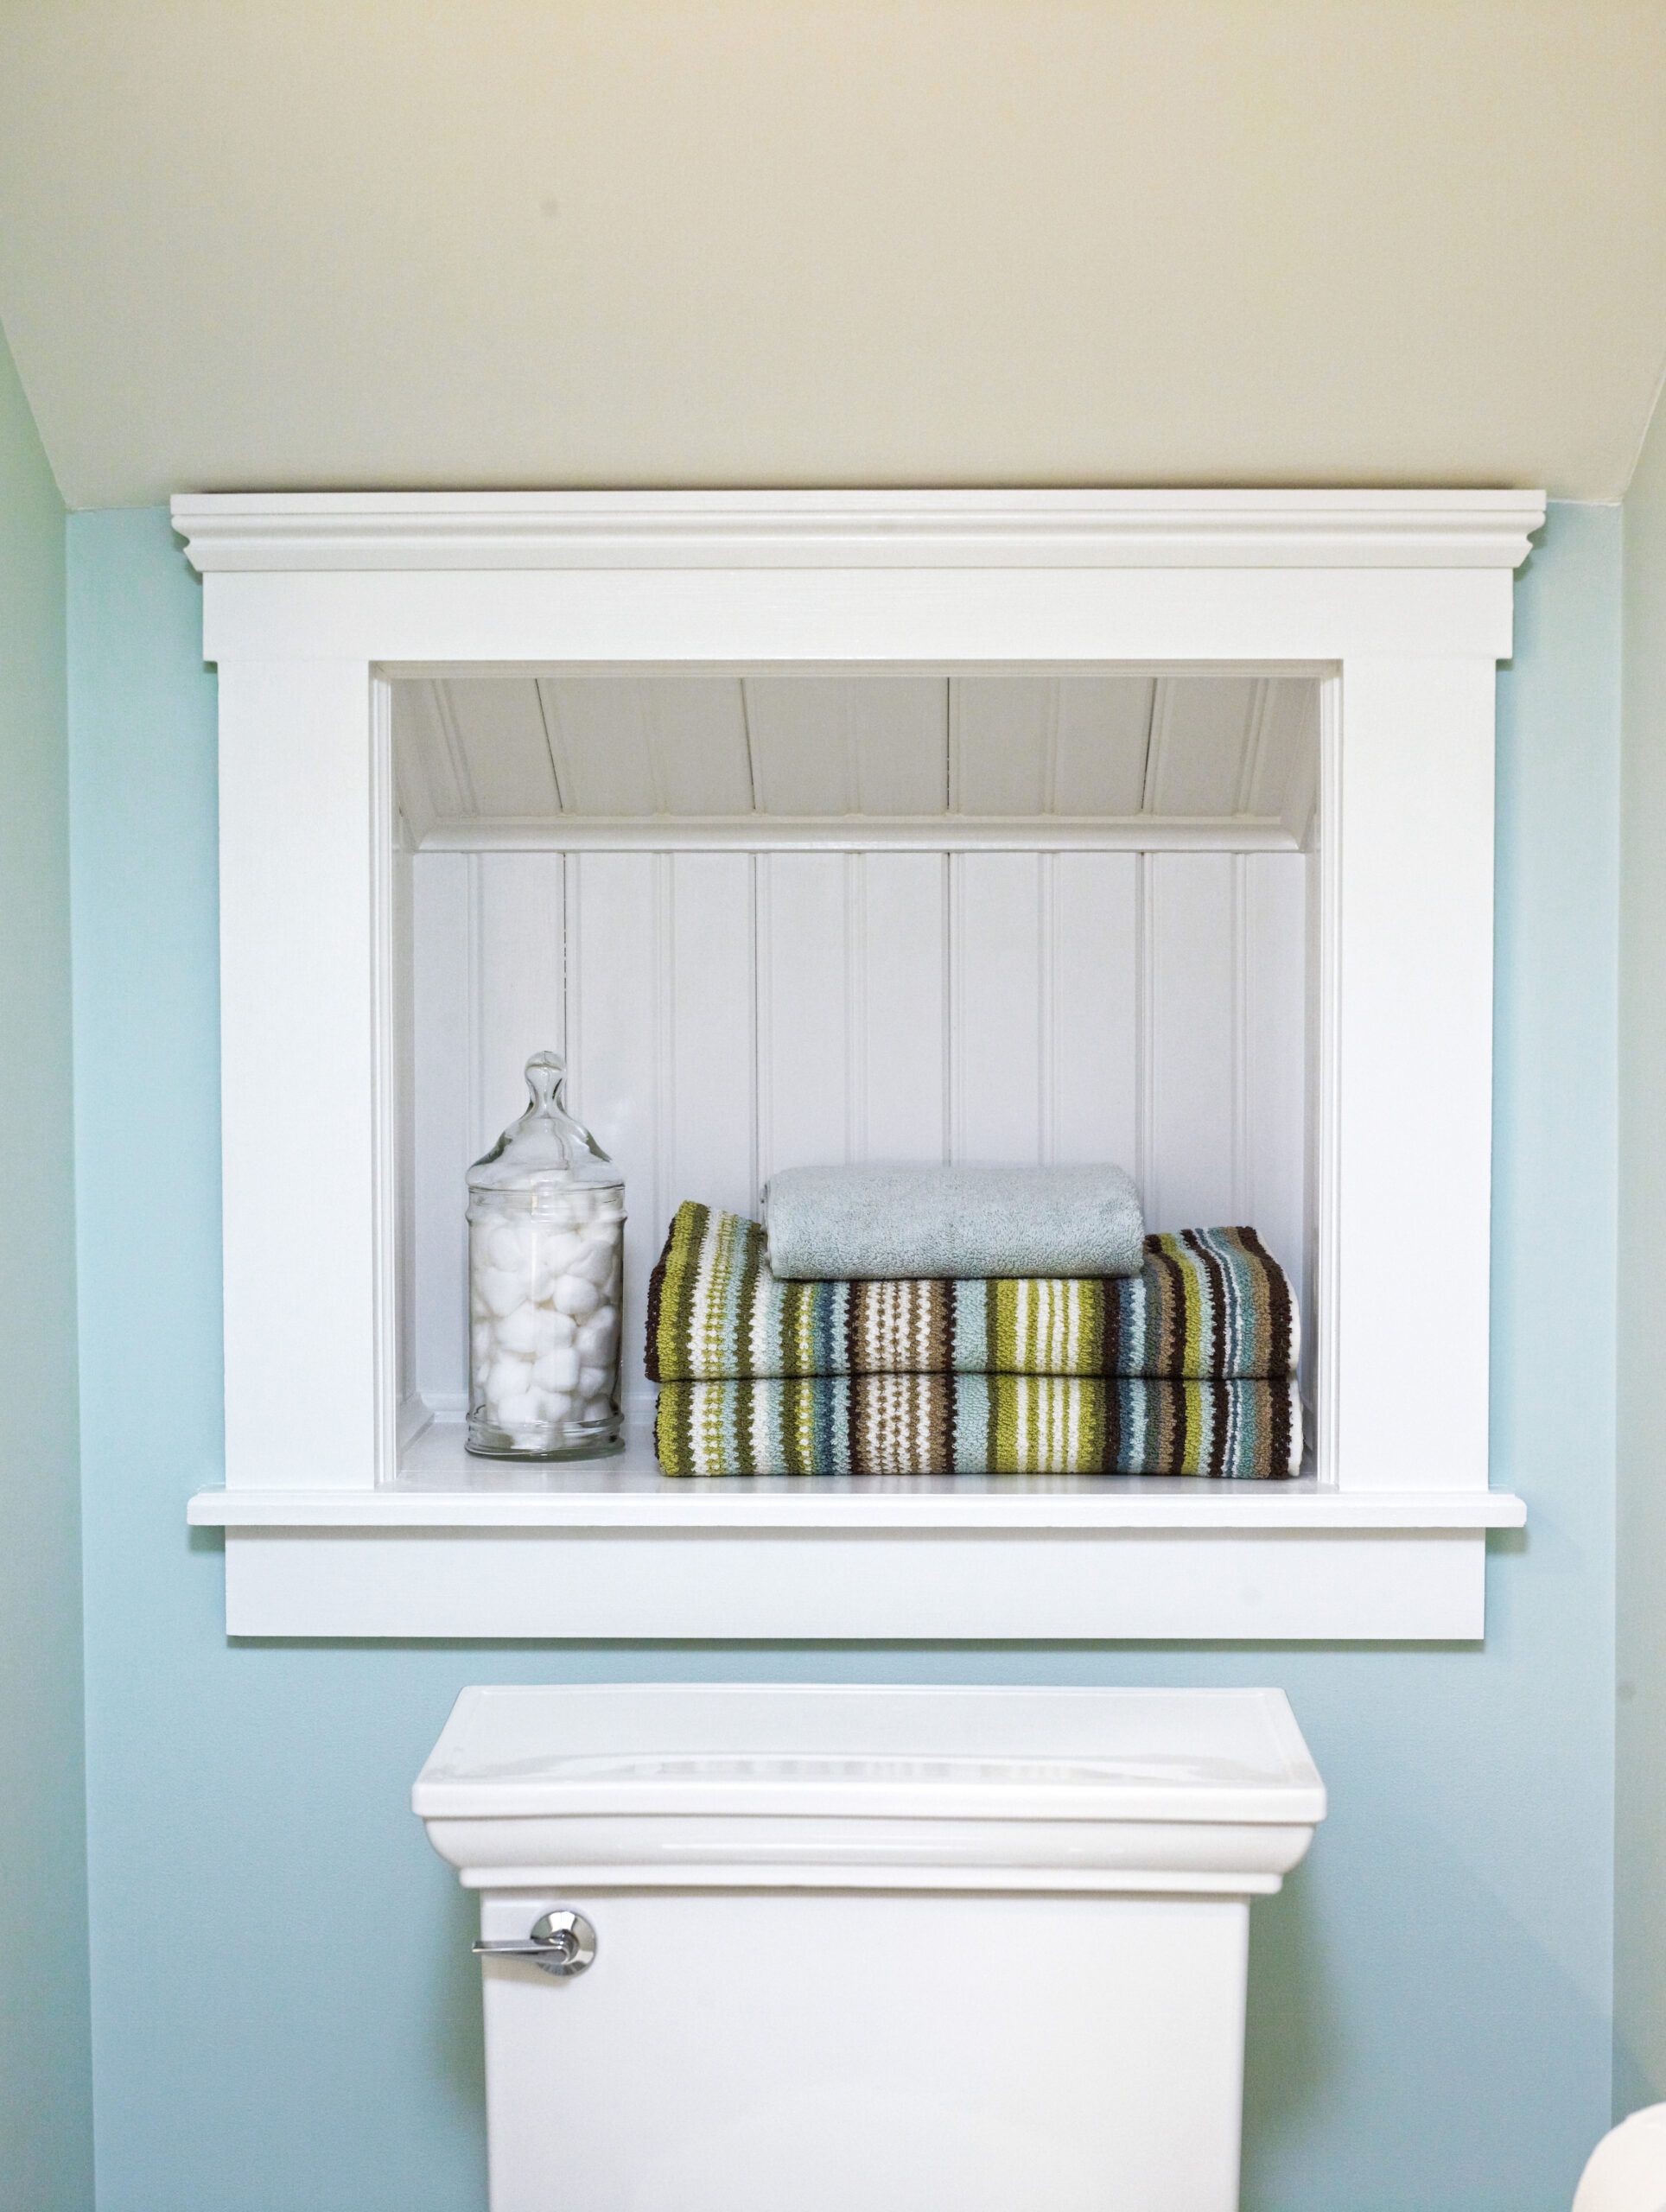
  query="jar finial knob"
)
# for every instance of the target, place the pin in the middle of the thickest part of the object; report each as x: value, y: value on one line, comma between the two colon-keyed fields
x: 544, y: 1074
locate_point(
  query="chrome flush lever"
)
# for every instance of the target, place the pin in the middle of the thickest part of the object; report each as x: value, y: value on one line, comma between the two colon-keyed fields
x: 562, y: 1943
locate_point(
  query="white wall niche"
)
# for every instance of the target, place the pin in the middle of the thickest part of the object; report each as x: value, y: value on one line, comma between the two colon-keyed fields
x: 1073, y: 985
x: 642, y: 775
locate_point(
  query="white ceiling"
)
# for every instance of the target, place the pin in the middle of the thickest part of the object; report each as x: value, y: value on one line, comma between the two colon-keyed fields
x: 506, y: 750
x: 693, y: 242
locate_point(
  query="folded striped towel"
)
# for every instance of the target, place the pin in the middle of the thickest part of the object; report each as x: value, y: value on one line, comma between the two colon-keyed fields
x: 1209, y: 1304
x: 979, y: 1425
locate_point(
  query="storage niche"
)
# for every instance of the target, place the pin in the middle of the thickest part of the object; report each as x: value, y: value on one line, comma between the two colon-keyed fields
x: 808, y: 827
x: 847, y: 918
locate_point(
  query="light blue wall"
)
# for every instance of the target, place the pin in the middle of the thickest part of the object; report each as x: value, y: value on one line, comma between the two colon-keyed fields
x: 46, y: 2132
x: 1640, y: 1764
x: 285, y: 2018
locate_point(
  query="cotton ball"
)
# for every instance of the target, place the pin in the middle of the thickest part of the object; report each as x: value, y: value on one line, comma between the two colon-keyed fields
x: 595, y: 1264
x: 509, y: 1377
x: 523, y: 1410
x: 480, y: 1341
x: 596, y: 1410
x: 563, y: 1329
x: 525, y: 1331
x: 576, y: 1295
x: 600, y: 1334
x: 558, y: 1249
x: 502, y: 1291
x: 558, y: 1371
x: 508, y: 1244
x: 555, y: 1406
x: 595, y: 1382
x: 555, y: 1255
x: 605, y: 1237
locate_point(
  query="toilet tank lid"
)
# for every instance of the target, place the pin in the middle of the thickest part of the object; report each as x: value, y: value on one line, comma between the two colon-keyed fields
x: 884, y: 1752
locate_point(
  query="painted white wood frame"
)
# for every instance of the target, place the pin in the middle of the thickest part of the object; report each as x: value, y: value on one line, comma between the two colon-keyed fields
x: 1400, y: 602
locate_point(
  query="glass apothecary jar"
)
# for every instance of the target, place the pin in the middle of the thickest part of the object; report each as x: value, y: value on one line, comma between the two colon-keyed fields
x: 546, y: 1221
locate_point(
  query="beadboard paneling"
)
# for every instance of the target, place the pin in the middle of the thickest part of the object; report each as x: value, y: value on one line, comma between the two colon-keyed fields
x: 707, y: 1103
x: 1190, y: 1054
x: 848, y: 745
x: 1202, y: 731
x: 804, y: 1040
x: 619, y: 936
x: 1024, y: 745
x: 495, y: 736
x: 726, y: 1013
x: 634, y: 745
x: 544, y: 752
x: 1091, y: 919
x: 899, y: 984
x: 518, y: 983
x: 996, y: 1022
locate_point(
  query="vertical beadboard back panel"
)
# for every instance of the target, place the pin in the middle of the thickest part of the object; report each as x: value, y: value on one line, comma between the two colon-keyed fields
x: 1095, y: 947
x: 726, y: 1013
x: 806, y: 1062
x: 517, y: 991
x: 620, y: 930
x: 996, y: 1018
x: 1193, y: 1012
x: 707, y: 1101
x: 898, y: 986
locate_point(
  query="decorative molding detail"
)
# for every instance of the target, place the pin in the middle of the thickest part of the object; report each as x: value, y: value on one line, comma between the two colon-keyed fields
x: 857, y: 833
x: 461, y: 530
x: 631, y: 1494
x: 489, y: 1568
x: 602, y: 1551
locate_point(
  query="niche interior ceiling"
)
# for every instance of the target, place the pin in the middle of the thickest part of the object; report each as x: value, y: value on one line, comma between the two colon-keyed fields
x: 540, y: 243
x: 1234, y: 751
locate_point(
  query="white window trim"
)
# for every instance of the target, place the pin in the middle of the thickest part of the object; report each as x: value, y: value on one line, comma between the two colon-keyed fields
x: 311, y: 602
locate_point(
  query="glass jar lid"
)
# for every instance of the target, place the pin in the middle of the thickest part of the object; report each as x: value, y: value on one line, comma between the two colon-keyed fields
x: 546, y: 1149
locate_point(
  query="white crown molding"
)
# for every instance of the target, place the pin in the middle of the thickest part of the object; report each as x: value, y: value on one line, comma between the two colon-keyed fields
x: 287, y: 532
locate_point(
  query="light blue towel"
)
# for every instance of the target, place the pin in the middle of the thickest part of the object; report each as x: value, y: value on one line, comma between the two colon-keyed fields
x: 885, y: 1224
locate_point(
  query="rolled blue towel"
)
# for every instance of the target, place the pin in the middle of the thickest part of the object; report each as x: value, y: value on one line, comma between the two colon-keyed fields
x: 883, y: 1224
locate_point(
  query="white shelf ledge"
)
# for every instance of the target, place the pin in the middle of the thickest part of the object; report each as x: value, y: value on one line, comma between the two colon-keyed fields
x: 612, y: 1548
x: 627, y: 1497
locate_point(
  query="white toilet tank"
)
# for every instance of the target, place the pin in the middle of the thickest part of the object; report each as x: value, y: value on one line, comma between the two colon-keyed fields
x: 808, y: 1949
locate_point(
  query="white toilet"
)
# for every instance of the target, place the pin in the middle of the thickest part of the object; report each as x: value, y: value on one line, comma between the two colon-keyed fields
x: 806, y: 1949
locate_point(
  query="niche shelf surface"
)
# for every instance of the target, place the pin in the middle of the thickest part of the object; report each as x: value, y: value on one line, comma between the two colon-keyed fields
x: 463, y: 1546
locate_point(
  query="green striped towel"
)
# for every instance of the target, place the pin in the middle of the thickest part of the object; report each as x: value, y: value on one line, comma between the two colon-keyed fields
x: 979, y: 1425
x: 1209, y: 1305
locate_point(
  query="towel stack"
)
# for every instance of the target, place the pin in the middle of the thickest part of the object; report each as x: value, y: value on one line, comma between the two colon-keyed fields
x: 928, y: 1352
